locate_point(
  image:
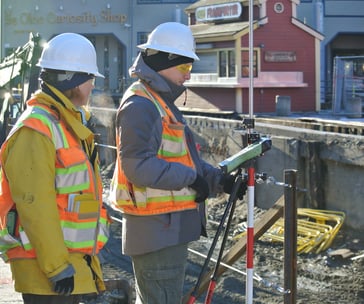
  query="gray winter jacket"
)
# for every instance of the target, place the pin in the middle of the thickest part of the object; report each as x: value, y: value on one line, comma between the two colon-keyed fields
x: 140, y: 128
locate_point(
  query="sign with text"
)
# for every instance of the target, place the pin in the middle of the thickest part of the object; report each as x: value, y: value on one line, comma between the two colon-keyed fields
x: 279, y: 56
x: 31, y: 18
x: 226, y: 11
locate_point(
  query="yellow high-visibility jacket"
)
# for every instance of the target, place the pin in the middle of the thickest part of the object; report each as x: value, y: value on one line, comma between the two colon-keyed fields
x: 50, y: 178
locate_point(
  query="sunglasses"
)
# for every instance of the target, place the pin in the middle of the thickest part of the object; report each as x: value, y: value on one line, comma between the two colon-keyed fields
x: 184, y: 68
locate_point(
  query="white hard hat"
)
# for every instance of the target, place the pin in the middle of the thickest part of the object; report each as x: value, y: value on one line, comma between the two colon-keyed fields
x: 70, y: 52
x: 172, y: 37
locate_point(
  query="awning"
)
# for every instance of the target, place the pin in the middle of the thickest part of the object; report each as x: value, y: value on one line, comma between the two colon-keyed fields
x: 219, y: 32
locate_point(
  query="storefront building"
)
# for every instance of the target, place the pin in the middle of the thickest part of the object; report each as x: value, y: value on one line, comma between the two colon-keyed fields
x: 295, y: 43
x: 282, y: 29
x: 286, y: 56
x: 114, y: 26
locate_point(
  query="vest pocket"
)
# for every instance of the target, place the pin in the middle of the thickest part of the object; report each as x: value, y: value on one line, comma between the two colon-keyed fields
x: 83, y: 205
x: 71, y: 156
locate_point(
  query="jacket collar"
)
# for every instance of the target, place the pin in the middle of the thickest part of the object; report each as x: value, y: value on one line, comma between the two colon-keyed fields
x: 66, y: 110
x: 168, y: 90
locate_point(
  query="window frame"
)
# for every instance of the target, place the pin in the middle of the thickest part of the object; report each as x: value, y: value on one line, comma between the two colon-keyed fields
x: 227, y: 69
x: 142, y: 37
x: 245, y: 63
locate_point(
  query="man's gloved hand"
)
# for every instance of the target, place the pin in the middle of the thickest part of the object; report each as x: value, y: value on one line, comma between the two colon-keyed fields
x: 228, y: 180
x: 64, y: 286
x: 202, y: 189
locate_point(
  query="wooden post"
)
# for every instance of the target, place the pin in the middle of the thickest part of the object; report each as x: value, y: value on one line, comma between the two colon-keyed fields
x: 290, y: 236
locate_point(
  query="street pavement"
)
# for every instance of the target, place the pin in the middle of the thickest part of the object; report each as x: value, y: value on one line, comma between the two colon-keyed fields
x: 7, y: 293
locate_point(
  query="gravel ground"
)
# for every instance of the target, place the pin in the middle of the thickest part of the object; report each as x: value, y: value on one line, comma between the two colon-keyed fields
x: 322, y: 278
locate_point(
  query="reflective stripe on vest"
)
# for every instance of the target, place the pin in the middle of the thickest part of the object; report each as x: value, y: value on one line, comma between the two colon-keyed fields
x: 77, y: 237
x: 74, y: 174
x: 71, y: 178
x: 7, y: 241
x: 132, y: 199
x: 68, y: 179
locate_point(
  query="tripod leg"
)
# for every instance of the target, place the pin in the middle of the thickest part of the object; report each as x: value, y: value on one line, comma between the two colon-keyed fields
x: 228, y: 207
x: 232, y: 200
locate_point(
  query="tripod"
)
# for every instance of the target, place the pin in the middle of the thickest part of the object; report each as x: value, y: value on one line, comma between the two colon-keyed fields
x: 257, y: 145
x: 229, y: 212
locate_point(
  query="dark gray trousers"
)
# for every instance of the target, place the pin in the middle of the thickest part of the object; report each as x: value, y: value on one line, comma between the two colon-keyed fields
x: 51, y: 299
x: 159, y: 275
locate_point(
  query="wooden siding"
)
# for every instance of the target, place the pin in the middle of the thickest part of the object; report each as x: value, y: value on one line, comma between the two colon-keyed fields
x: 279, y: 34
x: 208, y: 99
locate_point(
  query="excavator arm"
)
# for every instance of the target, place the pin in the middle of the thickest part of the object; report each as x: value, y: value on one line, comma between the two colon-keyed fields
x: 18, y: 80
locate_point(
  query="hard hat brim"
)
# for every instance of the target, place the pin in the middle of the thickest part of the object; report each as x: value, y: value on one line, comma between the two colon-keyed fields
x: 168, y: 49
x: 52, y: 66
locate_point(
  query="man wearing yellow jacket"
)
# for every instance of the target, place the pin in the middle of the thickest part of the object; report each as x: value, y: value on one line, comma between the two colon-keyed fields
x: 52, y: 220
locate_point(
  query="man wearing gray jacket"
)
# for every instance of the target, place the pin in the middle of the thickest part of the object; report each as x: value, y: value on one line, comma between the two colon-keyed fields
x: 160, y: 183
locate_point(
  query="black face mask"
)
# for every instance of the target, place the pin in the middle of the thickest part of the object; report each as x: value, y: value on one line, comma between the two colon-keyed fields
x: 63, y: 80
x: 162, y: 60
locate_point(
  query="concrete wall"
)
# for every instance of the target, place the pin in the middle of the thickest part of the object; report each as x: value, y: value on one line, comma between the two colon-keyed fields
x: 330, y: 166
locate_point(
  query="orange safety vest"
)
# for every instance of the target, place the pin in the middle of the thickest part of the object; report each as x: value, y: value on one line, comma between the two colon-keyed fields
x: 131, y: 198
x: 79, y: 193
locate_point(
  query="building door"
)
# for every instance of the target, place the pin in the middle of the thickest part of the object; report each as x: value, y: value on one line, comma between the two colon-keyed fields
x: 111, y: 62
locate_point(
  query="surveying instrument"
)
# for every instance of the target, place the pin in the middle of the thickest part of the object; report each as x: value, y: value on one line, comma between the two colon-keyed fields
x: 256, y: 146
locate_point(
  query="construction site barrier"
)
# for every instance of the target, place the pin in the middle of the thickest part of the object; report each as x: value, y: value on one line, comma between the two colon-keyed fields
x: 316, y: 229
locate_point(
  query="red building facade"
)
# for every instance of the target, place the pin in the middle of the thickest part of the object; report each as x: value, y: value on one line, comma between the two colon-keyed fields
x: 286, y: 57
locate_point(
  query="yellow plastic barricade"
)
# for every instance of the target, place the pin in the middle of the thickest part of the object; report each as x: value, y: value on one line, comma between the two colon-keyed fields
x: 316, y: 229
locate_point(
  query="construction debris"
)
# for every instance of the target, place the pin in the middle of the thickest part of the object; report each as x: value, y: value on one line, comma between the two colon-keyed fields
x: 344, y: 253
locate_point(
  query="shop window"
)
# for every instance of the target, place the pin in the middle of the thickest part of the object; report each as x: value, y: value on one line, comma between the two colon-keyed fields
x: 142, y: 37
x: 358, y: 66
x: 227, y: 63
x: 207, y: 63
x: 222, y: 64
x: 245, y: 64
